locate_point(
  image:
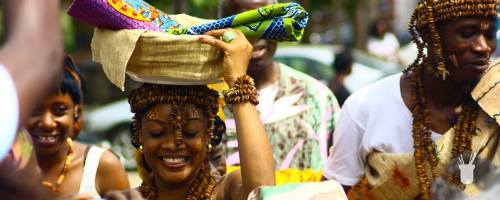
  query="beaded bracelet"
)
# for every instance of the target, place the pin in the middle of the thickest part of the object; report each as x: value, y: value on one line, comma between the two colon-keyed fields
x: 243, y: 91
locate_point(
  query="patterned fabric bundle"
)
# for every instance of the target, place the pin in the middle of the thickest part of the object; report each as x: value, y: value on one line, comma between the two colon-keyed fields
x: 279, y: 22
x: 121, y: 14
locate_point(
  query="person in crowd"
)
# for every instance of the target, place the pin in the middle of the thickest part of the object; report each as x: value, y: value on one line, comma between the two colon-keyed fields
x: 174, y: 128
x: 342, y: 66
x: 382, y: 43
x: 395, y: 136
x: 69, y: 167
x: 31, y: 28
x: 297, y: 110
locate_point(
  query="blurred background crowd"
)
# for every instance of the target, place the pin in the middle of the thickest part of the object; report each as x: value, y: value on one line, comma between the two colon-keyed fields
x: 340, y: 48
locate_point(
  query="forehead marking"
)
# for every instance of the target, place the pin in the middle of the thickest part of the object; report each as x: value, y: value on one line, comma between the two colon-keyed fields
x: 192, y: 112
x: 153, y: 114
x: 484, y: 25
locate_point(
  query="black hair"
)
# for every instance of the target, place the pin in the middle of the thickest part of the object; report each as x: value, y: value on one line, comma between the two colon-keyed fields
x: 219, y: 131
x: 343, y: 62
x: 72, y: 82
x: 373, y: 27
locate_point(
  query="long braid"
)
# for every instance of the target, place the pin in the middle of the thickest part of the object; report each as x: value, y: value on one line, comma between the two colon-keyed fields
x: 420, y: 134
x: 462, y: 142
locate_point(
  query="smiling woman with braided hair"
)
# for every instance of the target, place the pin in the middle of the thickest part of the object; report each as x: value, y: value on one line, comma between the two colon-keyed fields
x: 175, y: 127
x: 403, y: 130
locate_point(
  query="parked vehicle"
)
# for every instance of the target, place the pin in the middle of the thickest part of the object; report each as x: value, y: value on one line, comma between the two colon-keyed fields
x: 317, y: 62
x: 109, y: 125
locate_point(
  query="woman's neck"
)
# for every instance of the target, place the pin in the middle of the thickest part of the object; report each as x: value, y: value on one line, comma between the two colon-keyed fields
x: 52, y: 160
x: 165, y: 191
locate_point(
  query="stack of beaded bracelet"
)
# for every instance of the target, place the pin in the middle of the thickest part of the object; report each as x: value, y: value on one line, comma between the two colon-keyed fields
x: 243, y: 91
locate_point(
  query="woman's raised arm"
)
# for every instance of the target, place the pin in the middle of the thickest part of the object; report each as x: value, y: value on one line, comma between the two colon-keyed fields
x: 257, y: 164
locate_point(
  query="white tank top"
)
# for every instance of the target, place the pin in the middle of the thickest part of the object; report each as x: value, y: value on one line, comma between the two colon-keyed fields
x: 87, y: 184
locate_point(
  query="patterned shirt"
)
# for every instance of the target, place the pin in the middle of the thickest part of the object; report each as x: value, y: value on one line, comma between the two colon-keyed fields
x: 298, y: 113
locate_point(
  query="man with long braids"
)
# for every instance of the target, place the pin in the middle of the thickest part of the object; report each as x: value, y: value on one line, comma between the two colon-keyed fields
x: 398, y: 135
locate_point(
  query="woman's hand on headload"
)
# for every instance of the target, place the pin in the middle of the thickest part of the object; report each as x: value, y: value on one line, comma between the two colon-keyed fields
x: 237, y: 52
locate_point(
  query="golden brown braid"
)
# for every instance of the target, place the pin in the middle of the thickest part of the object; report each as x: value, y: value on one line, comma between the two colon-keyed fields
x: 422, y: 141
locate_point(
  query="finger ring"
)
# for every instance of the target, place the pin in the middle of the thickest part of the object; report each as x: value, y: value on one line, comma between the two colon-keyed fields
x: 228, y: 36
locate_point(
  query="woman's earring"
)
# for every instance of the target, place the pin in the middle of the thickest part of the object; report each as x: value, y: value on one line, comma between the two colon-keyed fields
x: 141, y: 149
x: 209, y: 148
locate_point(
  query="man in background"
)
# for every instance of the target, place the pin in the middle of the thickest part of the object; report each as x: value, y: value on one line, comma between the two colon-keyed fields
x: 296, y: 109
x: 342, y: 66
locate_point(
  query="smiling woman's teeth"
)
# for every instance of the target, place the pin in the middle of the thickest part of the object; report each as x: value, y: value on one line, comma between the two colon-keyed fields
x: 174, y: 160
x: 51, y: 138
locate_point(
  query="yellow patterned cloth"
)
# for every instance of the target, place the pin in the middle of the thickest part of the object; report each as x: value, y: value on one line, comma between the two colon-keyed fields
x: 288, y: 176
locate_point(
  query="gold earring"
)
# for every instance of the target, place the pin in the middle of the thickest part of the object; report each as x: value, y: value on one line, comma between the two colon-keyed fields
x: 209, y: 148
x: 141, y: 149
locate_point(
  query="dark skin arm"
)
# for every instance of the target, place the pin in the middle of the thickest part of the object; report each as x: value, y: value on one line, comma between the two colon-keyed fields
x: 110, y: 174
x: 257, y: 164
x: 33, y: 30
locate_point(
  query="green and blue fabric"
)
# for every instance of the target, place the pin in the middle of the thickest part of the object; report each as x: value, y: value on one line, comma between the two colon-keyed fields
x: 278, y: 22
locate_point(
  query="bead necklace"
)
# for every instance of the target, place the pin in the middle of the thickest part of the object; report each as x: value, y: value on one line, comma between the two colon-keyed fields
x: 202, y: 187
x: 425, y: 149
x: 55, y: 187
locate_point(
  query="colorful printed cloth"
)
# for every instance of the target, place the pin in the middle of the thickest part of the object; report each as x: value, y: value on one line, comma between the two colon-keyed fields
x: 279, y: 22
x: 298, y: 113
x: 121, y: 14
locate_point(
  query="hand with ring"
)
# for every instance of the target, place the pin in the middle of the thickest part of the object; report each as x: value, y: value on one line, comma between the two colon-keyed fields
x: 228, y: 36
x: 237, y: 51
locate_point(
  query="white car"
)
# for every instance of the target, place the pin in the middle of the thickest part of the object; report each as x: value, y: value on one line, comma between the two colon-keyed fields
x: 317, y: 61
x: 110, y: 124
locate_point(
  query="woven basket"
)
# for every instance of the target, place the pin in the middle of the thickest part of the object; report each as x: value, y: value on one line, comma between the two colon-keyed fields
x: 170, y: 59
x: 157, y: 57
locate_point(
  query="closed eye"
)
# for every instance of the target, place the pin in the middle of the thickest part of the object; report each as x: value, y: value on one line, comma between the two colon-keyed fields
x: 155, y: 134
x: 190, y: 134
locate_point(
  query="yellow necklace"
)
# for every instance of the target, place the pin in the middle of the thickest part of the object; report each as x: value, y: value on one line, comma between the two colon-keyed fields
x: 67, y: 162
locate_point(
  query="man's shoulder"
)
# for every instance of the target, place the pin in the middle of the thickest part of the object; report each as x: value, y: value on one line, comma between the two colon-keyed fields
x: 375, y: 94
x: 298, y: 77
